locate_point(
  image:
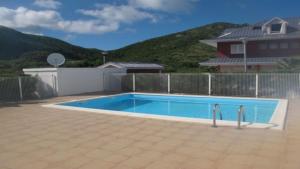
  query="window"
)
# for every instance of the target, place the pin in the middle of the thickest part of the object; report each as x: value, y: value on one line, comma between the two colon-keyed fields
x: 295, y: 45
x: 257, y: 28
x: 263, y: 46
x: 284, y: 45
x: 273, y: 46
x: 237, y: 49
x: 276, y: 28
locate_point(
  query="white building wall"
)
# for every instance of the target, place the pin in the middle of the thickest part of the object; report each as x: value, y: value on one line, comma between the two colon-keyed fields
x: 78, y: 80
x: 47, y: 79
x: 72, y: 81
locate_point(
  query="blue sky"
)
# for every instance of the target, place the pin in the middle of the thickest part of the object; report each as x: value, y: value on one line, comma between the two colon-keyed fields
x: 112, y: 24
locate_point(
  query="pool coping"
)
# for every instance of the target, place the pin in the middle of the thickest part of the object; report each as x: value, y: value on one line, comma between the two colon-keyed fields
x: 277, y: 121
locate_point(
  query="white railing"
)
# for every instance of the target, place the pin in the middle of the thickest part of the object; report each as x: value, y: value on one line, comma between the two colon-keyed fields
x: 14, y: 89
x: 273, y: 85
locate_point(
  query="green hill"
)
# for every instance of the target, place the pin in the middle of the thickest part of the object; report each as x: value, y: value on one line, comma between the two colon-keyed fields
x: 15, y: 45
x: 179, y: 52
x: 19, y: 50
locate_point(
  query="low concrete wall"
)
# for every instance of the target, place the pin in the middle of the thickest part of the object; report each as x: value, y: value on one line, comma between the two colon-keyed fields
x: 72, y: 81
x: 47, y: 79
x: 79, y: 80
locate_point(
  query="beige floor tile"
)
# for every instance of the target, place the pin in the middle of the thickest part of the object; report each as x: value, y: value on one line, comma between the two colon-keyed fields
x: 58, y: 156
x: 130, y: 151
x: 174, y: 158
x: 135, y: 163
x: 163, y: 165
x: 198, y: 164
x: 233, y: 166
x: 18, y: 162
x: 35, y: 165
x: 76, y: 162
x: 97, y: 164
x: 98, y: 153
x: 115, y: 158
x: 60, y: 139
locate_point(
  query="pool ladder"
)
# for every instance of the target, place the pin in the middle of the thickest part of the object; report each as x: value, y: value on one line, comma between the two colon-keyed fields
x: 241, y: 115
x: 217, y: 109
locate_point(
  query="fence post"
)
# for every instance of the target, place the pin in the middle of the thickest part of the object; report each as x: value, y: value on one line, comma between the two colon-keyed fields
x: 133, y: 82
x: 256, y: 85
x: 56, y: 85
x: 299, y: 80
x: 20, y: 88
x: 209, y: 84
x: 169, y: 83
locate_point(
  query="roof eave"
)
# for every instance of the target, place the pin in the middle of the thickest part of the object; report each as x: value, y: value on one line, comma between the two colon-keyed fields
x: 145, y: 68
x: 210, y: 42
x: 214, y: 42
x: 104, y: 66
x: 235, y: 64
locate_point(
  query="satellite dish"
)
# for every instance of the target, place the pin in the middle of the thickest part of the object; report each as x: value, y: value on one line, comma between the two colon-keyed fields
x: 56, y: 59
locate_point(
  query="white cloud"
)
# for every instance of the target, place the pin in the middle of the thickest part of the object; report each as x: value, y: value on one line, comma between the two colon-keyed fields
x: 163, y: 5
x: 118, y: 14
x: 130, y: 30
x: 51, y: 4
x: 24, y: 18
x: 103, y: 19
x: 107, y: 19
x: 87, y: 26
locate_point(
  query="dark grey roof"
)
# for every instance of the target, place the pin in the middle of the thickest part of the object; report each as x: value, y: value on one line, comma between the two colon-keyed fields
x: 240, y: 61
x: 253, y: 32
x: 132, y: 65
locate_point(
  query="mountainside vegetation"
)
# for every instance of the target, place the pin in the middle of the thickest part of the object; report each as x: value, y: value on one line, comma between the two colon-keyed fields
x: 178, y: 52
x: 19, y: 50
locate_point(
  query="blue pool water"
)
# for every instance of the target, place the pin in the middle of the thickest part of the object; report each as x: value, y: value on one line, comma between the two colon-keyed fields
x: 256, y: 111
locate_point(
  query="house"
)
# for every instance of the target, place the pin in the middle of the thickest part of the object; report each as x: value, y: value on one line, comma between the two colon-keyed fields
x: 132, y: 67
x: 256, y: 48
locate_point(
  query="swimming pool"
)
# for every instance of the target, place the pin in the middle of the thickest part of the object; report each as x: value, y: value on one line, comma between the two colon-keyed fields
x: 257, y: 111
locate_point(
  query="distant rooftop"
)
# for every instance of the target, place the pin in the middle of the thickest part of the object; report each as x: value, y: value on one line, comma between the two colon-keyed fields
x: 289, y: 28
x: 132, y: 65
x: 240, y: 61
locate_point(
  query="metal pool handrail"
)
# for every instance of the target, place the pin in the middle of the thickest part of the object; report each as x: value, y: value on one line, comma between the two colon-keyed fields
x: 216, y: 108
x: 241, y: 113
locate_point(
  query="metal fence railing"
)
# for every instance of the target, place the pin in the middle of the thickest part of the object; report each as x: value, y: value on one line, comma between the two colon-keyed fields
x: 117, y: 82
x: 272, y: 85
x: 154, y: 82
x: 279, y: 85
x: 189, y: 83
x: 233, y: 84
x: 9, y: 89
x: 14, y: 89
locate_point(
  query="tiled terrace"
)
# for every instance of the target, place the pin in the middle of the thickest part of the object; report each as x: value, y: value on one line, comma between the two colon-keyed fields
x: 33, y: 137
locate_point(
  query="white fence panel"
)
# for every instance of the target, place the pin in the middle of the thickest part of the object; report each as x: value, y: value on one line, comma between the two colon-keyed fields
x: 272, y: 85
x: 15, y: 89
x: 276, y: 85
x: 234, y: 85
x: 279, y: 85
x: 189, y: 84
x: 151, y: 82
